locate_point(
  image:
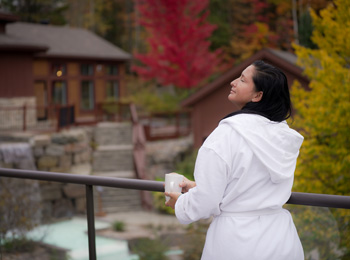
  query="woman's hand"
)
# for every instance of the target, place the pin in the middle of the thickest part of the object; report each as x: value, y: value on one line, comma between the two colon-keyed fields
x: 173, y: 198
x: 186, y: 185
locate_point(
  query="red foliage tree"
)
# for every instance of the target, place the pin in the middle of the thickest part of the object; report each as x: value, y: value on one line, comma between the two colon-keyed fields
x: 178, y: 42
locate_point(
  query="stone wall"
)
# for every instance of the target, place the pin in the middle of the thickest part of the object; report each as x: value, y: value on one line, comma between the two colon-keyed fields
x: 162, y: 156
x: 13, y: 118
x: 67, y: 152
x: 70, y: 151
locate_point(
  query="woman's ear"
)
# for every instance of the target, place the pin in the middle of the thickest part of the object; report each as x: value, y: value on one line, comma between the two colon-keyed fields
x: 257, y: 96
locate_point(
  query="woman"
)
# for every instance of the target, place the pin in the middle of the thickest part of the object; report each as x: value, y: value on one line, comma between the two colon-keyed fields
x: 244, y: 174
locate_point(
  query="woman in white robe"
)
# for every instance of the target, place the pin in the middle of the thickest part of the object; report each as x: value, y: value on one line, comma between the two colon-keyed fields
x: 244, y: 174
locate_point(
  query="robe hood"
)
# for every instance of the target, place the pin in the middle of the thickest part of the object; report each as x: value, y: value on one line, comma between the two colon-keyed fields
x: 274, y: 144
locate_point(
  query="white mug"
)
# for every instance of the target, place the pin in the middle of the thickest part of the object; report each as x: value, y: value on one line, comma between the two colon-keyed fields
x: 172, y: 182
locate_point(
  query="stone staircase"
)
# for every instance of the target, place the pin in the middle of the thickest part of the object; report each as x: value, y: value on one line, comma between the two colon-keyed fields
x: 113, y: 157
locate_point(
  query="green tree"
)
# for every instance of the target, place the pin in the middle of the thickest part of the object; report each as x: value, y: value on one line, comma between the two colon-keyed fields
x: 229, y: 16
x: 116, y: 15
x: 113, y: 20
x: 305, y: 30
x: 323, y: 112
x: 246, y: 26
x: 264, y: 24
x: 36, y: 11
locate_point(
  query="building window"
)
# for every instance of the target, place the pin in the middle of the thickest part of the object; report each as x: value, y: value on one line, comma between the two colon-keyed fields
x: 59, y: 93
x: 87, y: 95
x: 112, y: 70
x: 112, y: 90
x: 59, y: 69
x: 87, y: 69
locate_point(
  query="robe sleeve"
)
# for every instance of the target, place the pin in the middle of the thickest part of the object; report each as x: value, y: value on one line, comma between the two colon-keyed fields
x: 203, y: 201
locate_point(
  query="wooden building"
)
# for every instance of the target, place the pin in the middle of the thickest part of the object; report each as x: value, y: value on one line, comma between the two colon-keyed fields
x: 210, y: 104
x: 44, y: 65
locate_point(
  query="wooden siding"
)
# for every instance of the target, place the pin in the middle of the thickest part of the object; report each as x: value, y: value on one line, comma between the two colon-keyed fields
x: 208, y: 113
x: 73, y: 69
x: 16, y: 77
x: 100, y: 70
x: 41, y: 68
x: 100, y: 86
x: 36, y: 77
x: 73, y: 94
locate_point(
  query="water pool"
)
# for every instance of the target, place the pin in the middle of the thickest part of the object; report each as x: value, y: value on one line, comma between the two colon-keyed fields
x: 72, y: 235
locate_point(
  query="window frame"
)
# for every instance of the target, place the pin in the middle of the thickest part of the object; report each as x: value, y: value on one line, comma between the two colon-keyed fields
x: 91, y: 95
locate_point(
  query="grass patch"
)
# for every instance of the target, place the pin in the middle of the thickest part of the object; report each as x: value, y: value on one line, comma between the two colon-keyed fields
x: 119, y: 226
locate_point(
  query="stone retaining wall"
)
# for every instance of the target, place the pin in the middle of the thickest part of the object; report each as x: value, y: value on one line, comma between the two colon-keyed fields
x: 70, y: 151
x: 13, y: 118
x: 162, y: 156
x: 67, y: 152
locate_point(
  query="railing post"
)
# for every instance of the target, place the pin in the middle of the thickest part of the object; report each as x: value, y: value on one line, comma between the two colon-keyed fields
x: 90, y: 222
x: 58, y: 115
x: 24, y: 117
x: 178, y: 133
x: 120, y: 115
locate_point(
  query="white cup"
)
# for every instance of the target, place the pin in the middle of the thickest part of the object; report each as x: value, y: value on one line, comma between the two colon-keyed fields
x: 172, y: 182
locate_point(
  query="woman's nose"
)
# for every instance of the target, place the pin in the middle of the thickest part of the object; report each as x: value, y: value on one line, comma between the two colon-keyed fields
x: 232, y: 83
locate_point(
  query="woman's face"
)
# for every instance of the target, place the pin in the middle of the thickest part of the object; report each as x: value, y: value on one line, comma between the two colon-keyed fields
x: 243, y: 89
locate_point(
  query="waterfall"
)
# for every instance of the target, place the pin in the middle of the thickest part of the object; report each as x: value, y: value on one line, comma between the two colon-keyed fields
x: 19, y: 198
x: 18, y: 155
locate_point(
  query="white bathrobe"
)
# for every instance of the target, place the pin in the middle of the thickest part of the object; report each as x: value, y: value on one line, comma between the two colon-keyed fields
x: 244, y: 174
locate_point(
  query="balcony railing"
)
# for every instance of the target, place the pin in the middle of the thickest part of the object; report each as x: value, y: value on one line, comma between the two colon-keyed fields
x: 158, y: 126
x: 297, y: 198
x: 36, y: 118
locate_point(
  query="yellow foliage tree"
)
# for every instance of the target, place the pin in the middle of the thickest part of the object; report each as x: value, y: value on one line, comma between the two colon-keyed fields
x: 323, y: 112
x: 323, y: 117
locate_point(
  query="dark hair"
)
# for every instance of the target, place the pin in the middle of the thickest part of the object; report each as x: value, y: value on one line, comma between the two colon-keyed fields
x: 275, y: 103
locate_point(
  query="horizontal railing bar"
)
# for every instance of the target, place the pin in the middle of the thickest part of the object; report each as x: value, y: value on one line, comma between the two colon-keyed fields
x: 297, y: 198
x: 320, y: 200
x: 125, y: 183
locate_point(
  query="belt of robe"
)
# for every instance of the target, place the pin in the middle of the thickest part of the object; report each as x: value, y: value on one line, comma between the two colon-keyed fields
x: 253, y: 213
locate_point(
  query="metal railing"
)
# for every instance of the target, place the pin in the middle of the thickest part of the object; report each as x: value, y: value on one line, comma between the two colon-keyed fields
x: 157, y: 126
x: 36, y: 118
x: 297, y: 198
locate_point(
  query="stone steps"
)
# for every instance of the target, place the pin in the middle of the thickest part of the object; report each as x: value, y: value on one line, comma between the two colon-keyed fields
x: 112, y: 133
x: 118, y: 200
x: 117, y: 174
x: 113, y: 157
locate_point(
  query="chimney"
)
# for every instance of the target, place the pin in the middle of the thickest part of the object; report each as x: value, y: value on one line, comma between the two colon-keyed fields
x: 6, y: 18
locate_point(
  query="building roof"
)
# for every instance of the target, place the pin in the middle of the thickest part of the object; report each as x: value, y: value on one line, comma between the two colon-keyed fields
x: 62, y: 41
x: 284, y: 60
x: 7, y: 17
x: 14, y: 43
